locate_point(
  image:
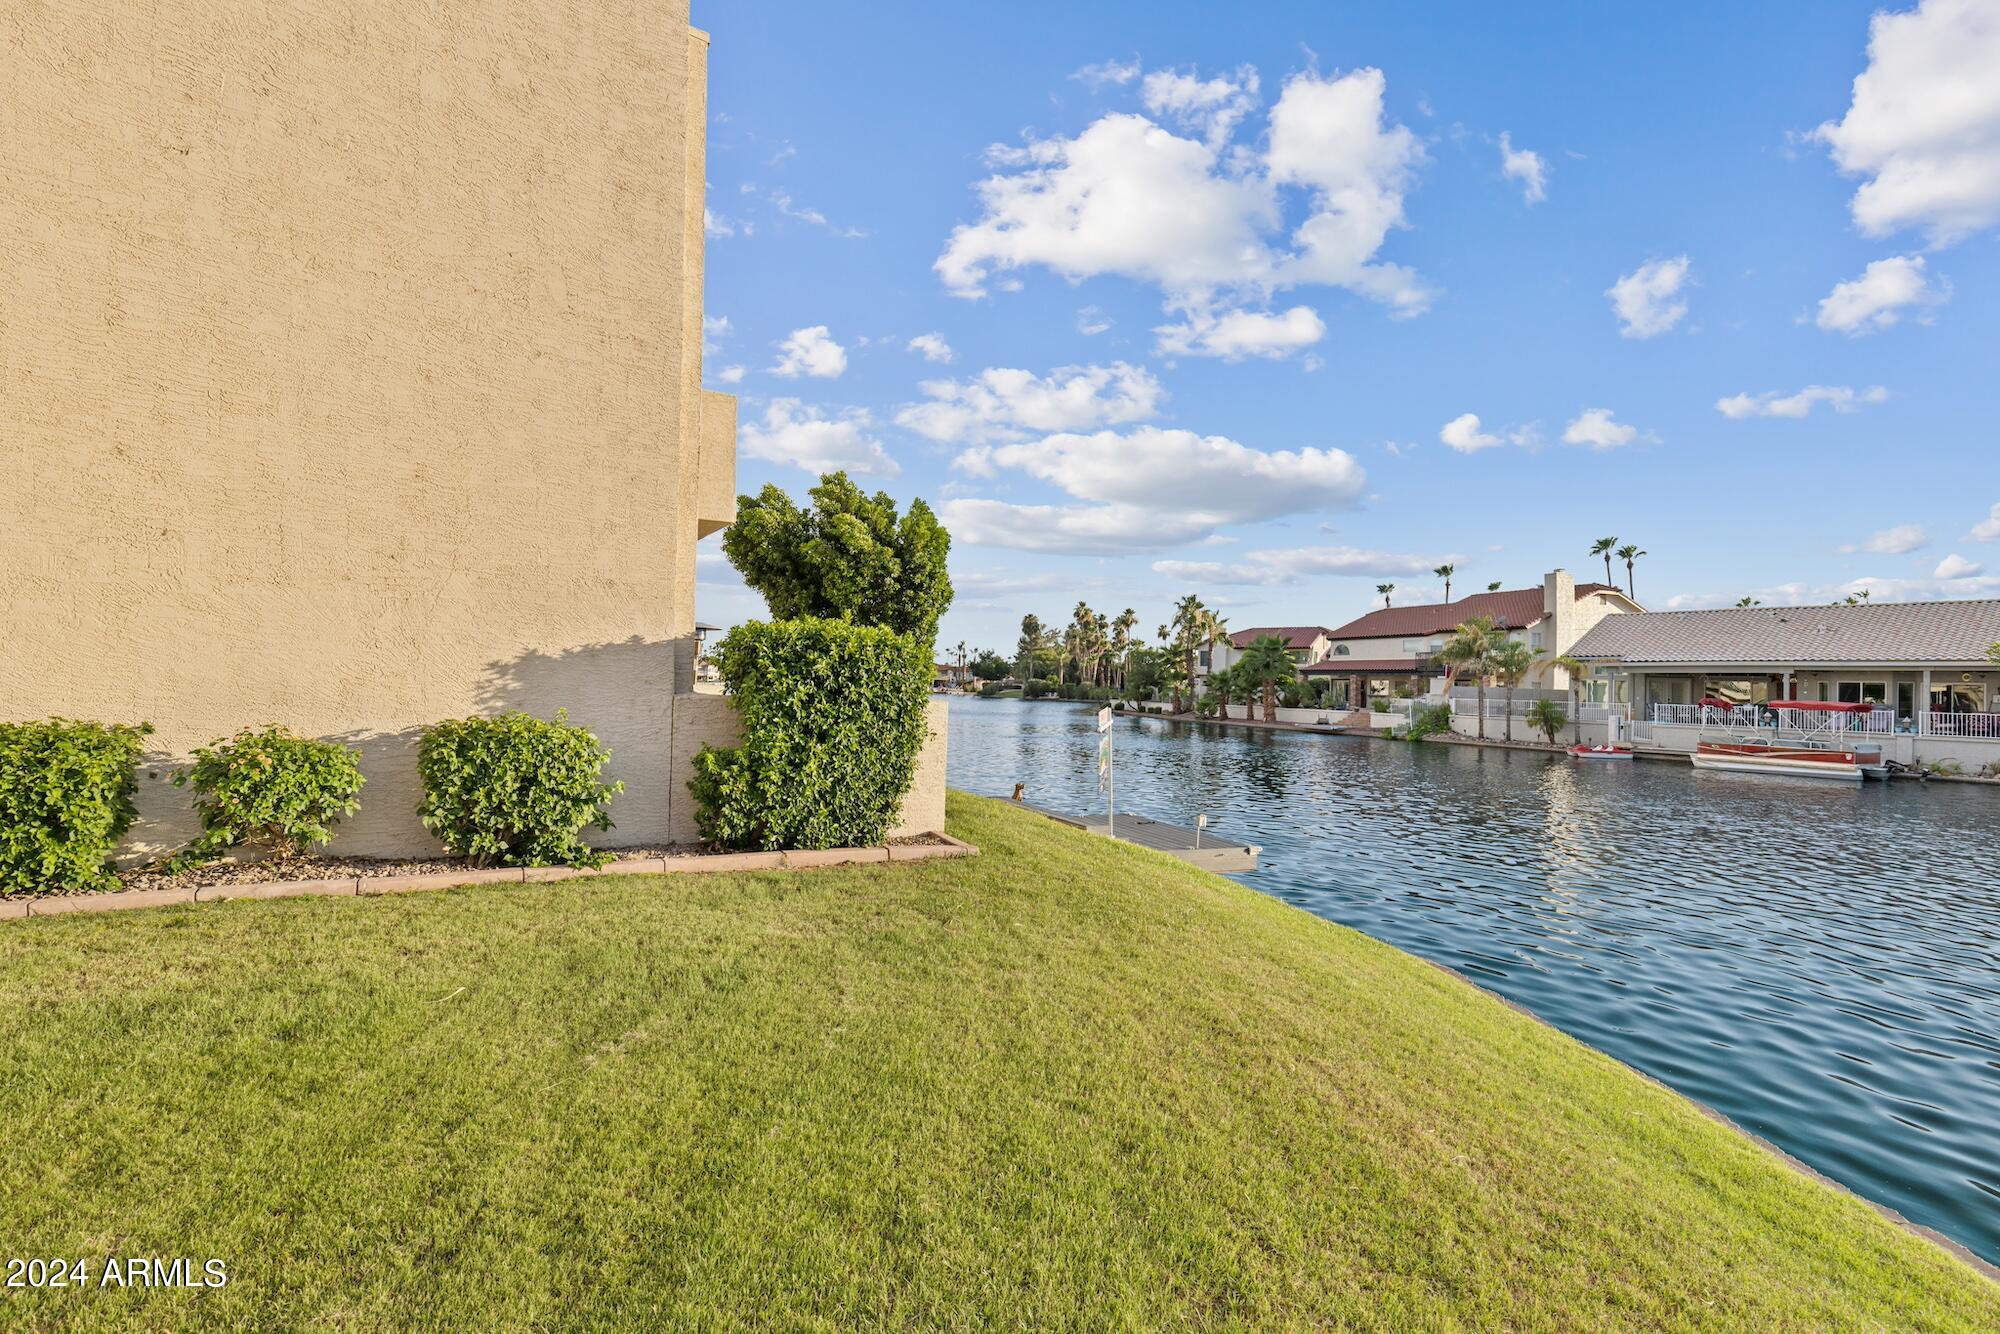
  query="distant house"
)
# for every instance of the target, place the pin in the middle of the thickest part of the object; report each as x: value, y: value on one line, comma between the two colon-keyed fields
x: 1926, y: 661
x: 1306, y: 643
x: 1394, y: 650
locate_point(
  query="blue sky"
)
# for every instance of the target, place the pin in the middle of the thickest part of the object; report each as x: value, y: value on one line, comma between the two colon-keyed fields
x: 1218, y: 297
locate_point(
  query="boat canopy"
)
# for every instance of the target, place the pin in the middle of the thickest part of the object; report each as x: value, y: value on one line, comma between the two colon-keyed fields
x: 1823, y: 706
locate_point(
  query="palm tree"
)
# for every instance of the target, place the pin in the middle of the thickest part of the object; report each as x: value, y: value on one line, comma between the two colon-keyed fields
x: 1265, y: 663
x: 1214, y: 686
x: 1445, y: 572
x: 1213, y: 627
x: 1512, y: 661
x: 1031, y: 642
x: 1748, y: 602
x: 1121, y: 643
x: 1385, y: 590
x: 1629, y: 553
x: 1181, y: 636
x: 1602, y: 547
x: 1493, y: 587
x: 1576, y: 669
x: 1546, y: 715
x: 1470, y: 649
x: 960, y: 650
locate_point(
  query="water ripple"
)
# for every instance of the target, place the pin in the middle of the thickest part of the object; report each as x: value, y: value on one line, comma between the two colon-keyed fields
x: 1823, y: 966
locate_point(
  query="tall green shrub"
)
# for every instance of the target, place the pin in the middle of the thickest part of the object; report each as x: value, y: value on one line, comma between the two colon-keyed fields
x: 272, y: 787
x: 65, y: 797
x: 848, y: 557
x: 833, y: 718
x: 515, y: 790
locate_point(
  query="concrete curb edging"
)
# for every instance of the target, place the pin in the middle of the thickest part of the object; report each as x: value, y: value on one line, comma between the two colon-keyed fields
x: 13, y: 910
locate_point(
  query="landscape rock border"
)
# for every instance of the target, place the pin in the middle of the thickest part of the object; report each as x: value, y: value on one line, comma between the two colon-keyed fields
x: 363, y: 886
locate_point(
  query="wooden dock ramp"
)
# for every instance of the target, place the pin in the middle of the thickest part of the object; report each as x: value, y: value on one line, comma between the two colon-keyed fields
x: 1210, y: 852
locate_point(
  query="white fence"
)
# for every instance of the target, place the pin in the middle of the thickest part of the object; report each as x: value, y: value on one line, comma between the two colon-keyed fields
x: 1985, y: 726
x: 1877, y: 721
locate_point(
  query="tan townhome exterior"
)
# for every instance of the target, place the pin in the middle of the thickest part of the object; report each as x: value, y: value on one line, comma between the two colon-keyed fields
x: 352, y: 381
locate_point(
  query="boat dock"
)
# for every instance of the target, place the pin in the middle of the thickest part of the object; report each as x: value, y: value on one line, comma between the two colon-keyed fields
x: 1205, y: 850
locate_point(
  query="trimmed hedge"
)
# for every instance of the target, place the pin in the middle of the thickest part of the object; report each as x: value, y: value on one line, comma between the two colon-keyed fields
x: 515, y: 790
x: 833, y: 719
x: 272, y: 786
x: 65, y: 798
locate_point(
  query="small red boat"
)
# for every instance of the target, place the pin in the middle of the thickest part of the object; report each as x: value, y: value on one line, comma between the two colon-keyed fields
x: 1601, y: 752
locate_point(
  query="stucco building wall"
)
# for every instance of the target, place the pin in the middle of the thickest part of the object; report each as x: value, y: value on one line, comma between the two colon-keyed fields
x: 349, y: 378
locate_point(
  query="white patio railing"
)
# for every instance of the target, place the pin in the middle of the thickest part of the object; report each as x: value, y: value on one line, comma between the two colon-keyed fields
x: 1879, y: 721
x: 1984, y: 726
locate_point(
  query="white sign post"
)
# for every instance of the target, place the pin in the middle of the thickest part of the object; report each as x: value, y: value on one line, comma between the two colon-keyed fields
x: 1104, y: 778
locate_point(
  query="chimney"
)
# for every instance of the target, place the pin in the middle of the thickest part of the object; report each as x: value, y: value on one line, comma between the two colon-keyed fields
x: 1558, y: 593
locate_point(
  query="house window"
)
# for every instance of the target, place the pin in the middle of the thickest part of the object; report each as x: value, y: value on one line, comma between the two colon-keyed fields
x: 1863, y: 692
x: 1340, y: 650
x: 1906, y: 699
x: 1201, y: 655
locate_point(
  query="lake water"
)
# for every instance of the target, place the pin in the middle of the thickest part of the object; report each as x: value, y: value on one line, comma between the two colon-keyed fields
x: 1819, y: 961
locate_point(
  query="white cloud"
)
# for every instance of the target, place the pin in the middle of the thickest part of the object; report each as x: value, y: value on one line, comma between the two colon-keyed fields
x: 805, y: 437
x: 783, y: 203
x: 1154, y: 487
x: 1293, y: 564
x: 1876, y: 300
x: 1462, y: 433
x: 932, y: 345
x: 1772, y: 404
x: 714, y: 328
x: 1800, y: 594
x: 1198, y: 217
x: 1924, y: 123
x: 1956, y: 566
x: 1594, y: 427
x: 1236, y: 334
x: 1210, y: 107
x: 730, y: 375
x: 1646, y: 299
x: 1065, y: 528
x: 1898, y: 541
x: 810, y: 351
x: 1108, y: 72
x: 1987, y: 529
x: 1526, y: 166
x: 1007, y: 404
x: 714, y: 224
x: 1091, y: 321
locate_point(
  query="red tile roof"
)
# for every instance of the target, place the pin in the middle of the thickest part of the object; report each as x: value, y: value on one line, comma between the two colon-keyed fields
x: 1360, y: 667
x: 1295, y: 636
x: 1511, y: 609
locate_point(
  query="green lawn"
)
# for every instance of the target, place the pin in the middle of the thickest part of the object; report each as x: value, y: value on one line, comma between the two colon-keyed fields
x: 1067, y: 1084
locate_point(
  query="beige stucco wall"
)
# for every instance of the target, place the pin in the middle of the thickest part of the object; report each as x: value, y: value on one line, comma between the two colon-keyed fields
x: 349, y: 376
x: 711, y: 720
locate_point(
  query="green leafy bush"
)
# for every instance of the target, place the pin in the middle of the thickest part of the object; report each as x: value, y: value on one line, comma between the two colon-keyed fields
x: 1037, y: 689
x: 833, y: 718
x: 272, y: 787
x: 1433, y: 721
x: 847, y: 556
x: 1547, y: 717
x: 65, y: 797
x: 515, y: 790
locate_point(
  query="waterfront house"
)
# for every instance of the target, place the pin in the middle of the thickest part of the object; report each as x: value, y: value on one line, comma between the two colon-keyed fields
x: 1394, y: 650
x: 1924, y: 664
x: 354, y: 382
x: 1306, y: 644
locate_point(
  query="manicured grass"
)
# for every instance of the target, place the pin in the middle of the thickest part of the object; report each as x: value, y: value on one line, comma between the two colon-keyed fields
x: 1066, y: 1084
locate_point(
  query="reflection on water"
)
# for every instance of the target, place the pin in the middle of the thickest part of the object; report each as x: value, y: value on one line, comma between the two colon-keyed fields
x: 1819, y: 961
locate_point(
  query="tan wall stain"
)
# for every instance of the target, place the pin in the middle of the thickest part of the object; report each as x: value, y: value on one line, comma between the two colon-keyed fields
x: 349, y: 376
